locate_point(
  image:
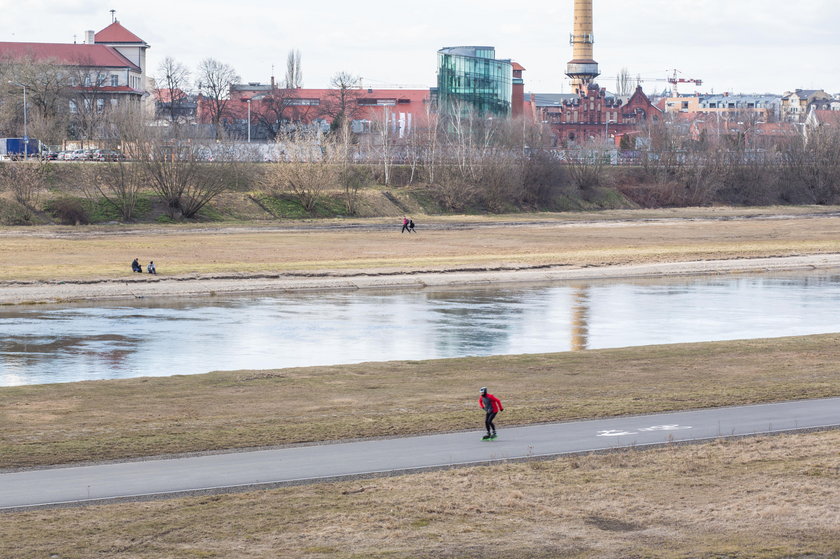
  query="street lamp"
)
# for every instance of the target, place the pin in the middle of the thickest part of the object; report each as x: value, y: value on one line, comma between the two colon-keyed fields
x: 249, y: 121
x: 25, y: 124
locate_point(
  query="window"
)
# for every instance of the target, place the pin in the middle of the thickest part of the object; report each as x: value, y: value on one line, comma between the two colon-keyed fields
x: 379, y: 102
x: 299, y: 102
x: 115, y: 80
x: 100, y: 105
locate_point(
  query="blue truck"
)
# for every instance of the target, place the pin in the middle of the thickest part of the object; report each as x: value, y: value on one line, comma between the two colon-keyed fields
x: 19, y: 148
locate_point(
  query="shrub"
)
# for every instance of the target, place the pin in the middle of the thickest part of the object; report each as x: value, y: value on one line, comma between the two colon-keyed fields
x: 69, y: 211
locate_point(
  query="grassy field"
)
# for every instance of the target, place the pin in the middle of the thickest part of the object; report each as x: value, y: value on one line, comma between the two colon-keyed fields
x: 340, y: 246
x: 756, y: 498
x: 101, y: 420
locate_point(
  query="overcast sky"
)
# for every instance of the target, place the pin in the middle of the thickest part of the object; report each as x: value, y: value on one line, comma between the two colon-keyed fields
x: 740, y: 46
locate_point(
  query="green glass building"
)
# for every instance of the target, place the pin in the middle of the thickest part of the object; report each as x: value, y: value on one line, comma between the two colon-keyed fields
x: 470, y: 78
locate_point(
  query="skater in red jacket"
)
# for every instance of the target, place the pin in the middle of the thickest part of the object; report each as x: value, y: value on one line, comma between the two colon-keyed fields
x: 491, y: 405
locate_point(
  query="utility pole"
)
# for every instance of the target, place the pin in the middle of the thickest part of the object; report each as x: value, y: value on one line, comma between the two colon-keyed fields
x: 249, y: 121
x: 25, y: 123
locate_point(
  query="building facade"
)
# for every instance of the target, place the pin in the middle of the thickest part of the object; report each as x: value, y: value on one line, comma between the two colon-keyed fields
x: 592, y: 114
x: 270, y: 109
x: 471, y: 80
x: 107, y: 70
x: 795, y: 103
x: 755, y: 107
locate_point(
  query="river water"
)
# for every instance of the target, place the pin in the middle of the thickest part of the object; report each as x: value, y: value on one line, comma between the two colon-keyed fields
x: 161, y: 337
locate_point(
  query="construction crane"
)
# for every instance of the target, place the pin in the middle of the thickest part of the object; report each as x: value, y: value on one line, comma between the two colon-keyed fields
x: 674, y: 80
x: 672, y: 77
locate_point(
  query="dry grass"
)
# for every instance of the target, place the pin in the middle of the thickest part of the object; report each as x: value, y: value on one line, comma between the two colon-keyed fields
x: 62, y: 423
x: 556, y: 239
x: 757, y: 498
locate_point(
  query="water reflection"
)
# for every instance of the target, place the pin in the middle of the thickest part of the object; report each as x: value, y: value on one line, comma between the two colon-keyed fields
x: 164, y: 337
x: 580, y: 318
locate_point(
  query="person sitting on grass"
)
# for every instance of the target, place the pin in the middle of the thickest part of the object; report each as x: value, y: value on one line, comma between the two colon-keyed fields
x: 151, y: 267
x: 136, y: 267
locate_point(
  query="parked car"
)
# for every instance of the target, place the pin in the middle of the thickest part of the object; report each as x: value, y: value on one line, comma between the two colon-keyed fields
x: 63, y: 155
x: 81, y: 155
x: 107, y: 155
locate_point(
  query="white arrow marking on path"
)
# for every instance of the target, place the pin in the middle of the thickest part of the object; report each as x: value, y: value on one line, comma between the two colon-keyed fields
x: 666, y: 428
x: 619, y: 433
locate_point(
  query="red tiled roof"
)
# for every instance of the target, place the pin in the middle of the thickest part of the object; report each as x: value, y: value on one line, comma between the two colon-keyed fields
x: 825, y: 116
x: 67, y: 54
x: 777, y: 128
x: 116, y: 33
x: 165, y: 95
x: 517, y: 66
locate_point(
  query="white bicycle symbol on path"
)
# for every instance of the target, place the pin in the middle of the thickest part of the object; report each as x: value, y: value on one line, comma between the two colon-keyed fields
x: 619, y: 432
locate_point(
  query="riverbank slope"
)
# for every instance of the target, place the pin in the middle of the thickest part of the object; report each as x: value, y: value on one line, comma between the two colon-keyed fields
x: 63, y: 264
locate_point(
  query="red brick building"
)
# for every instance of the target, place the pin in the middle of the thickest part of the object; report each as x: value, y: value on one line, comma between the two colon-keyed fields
x: 271, y: 107
x: 592, y: 113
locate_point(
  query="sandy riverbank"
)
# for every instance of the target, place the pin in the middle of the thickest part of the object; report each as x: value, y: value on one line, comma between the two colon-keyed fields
x: 145, y: 286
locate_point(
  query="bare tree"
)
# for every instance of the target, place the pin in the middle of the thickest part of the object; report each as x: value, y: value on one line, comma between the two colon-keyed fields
x: 120, y: 182
x: 186, y: 173
x: 278, y: 109
x: 214, y: 82
x: 624, y: 83
x: 351, y: 177
x: 308, y: 172
x: 173, y: 79
x: 89, y: 100
x: 294, y: 73
x: 341, y: 102
x: 26, y: 180
x: 430, y: 151
x: 586, y: 166
x: 385, y: 138
x: 812, y: 166
x: 47, y: 102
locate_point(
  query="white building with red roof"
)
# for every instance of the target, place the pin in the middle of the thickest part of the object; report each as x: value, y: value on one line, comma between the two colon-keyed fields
x: 110, y: 64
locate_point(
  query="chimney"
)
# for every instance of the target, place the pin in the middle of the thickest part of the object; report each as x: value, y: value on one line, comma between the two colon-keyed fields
x: 582, y: 68
x: 89, y: 37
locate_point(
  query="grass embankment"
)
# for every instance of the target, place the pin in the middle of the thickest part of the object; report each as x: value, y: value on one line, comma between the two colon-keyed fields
x: 336, y: 247
x: 756, y: 498
x: 100, y: 420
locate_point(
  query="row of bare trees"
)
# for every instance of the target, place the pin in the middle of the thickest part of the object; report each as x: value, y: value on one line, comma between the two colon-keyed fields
x: 463, y: 160
x: 62, y: 101
x: 185, y: 173
x: 802, y: 167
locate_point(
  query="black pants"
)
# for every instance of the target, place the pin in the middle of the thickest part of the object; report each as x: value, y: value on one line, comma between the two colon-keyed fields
x: 488, y: 422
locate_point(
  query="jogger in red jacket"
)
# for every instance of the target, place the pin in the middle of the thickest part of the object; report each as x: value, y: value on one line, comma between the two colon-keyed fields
x: 491, y: 405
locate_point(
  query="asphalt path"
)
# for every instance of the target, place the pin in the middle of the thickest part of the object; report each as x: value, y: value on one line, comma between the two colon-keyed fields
x: 300, y: 464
